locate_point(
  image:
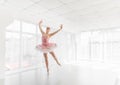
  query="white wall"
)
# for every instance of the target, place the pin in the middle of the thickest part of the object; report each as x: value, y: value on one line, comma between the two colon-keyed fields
x: 2, y: 54
x: 5, y: 19
x: 1, y: 47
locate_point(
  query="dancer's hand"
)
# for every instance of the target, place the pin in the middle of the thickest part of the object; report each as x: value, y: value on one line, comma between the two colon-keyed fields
x: 61, y: 26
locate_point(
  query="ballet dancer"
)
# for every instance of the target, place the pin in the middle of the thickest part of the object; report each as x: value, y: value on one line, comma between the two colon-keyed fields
x: 47, y: 47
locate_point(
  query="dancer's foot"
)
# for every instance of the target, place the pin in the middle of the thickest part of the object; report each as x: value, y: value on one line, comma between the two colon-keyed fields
x: 48, y: 72
x: 59, y: 64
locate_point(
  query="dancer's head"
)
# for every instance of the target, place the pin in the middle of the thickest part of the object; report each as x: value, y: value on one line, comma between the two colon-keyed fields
x: 47, y: 29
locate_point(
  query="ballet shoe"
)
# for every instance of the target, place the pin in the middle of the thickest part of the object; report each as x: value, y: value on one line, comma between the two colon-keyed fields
x: 48, y: 72
x: 59, y: 64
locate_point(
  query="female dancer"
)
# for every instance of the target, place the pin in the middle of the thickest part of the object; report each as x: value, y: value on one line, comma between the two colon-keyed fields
x: 47, y: 47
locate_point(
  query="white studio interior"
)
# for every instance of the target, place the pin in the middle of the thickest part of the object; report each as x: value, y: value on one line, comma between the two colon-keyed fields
x: 88, y: 46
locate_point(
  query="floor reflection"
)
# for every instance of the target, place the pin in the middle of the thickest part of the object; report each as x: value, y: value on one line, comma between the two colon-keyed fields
x: 65, y: 75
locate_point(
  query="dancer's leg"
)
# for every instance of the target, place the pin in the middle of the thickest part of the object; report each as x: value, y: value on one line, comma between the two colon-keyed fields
x: 46, y: 61
x: 53, y: 55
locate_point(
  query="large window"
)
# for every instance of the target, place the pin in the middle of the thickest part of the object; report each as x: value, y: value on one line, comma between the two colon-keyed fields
x: 21, y: 38
x: 100, y: 45
x: 13, y: 45
x: 112, y: 45
x: 96, y: 46
x: 83, y: 42
x: 12, y: 49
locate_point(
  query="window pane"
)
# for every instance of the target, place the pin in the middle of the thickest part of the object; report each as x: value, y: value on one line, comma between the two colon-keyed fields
x: 12, y: 50
x: 28, y: 50
x: 29, y: 28
x: 83, y: 52
x: 112, y: 46
x: 96, y: 45
x: 15, y: 26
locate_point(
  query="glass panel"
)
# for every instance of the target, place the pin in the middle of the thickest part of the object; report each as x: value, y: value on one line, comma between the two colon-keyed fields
x: 28, y: 50
x: 83, y: 43
x: 29, y: 28
x: 96, y: 45
x: 97, y: 51
x: 112, y: 46
x: 15, y: 26
x: 12, y: 50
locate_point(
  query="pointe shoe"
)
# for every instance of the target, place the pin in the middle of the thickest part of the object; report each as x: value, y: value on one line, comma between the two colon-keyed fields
x: 48, y: 72
x: 59, y: 64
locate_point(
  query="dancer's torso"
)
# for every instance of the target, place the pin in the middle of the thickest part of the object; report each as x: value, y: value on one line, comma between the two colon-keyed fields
x: 45, y: 39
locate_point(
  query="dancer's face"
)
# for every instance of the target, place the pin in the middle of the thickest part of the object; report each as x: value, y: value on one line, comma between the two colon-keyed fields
x: 47, y: 29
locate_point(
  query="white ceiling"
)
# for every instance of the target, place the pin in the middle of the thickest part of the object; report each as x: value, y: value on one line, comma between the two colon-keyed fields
x: 75, y: 15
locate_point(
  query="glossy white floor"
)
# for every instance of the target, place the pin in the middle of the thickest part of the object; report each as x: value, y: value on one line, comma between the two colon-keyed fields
x: 83, y: 74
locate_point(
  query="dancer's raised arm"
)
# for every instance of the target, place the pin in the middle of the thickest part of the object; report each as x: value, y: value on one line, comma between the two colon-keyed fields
x: 51, y: 34
x: 40, y: 27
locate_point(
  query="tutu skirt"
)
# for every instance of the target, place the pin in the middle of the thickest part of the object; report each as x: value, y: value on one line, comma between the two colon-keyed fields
x: 46, y: 47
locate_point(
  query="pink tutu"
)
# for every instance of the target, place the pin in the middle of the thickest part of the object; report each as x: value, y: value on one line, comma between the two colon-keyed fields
x: 46, y: 46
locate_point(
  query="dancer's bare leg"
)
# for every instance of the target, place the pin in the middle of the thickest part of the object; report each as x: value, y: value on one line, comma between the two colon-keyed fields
x: 46, y: 62
x: 53, y: 55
